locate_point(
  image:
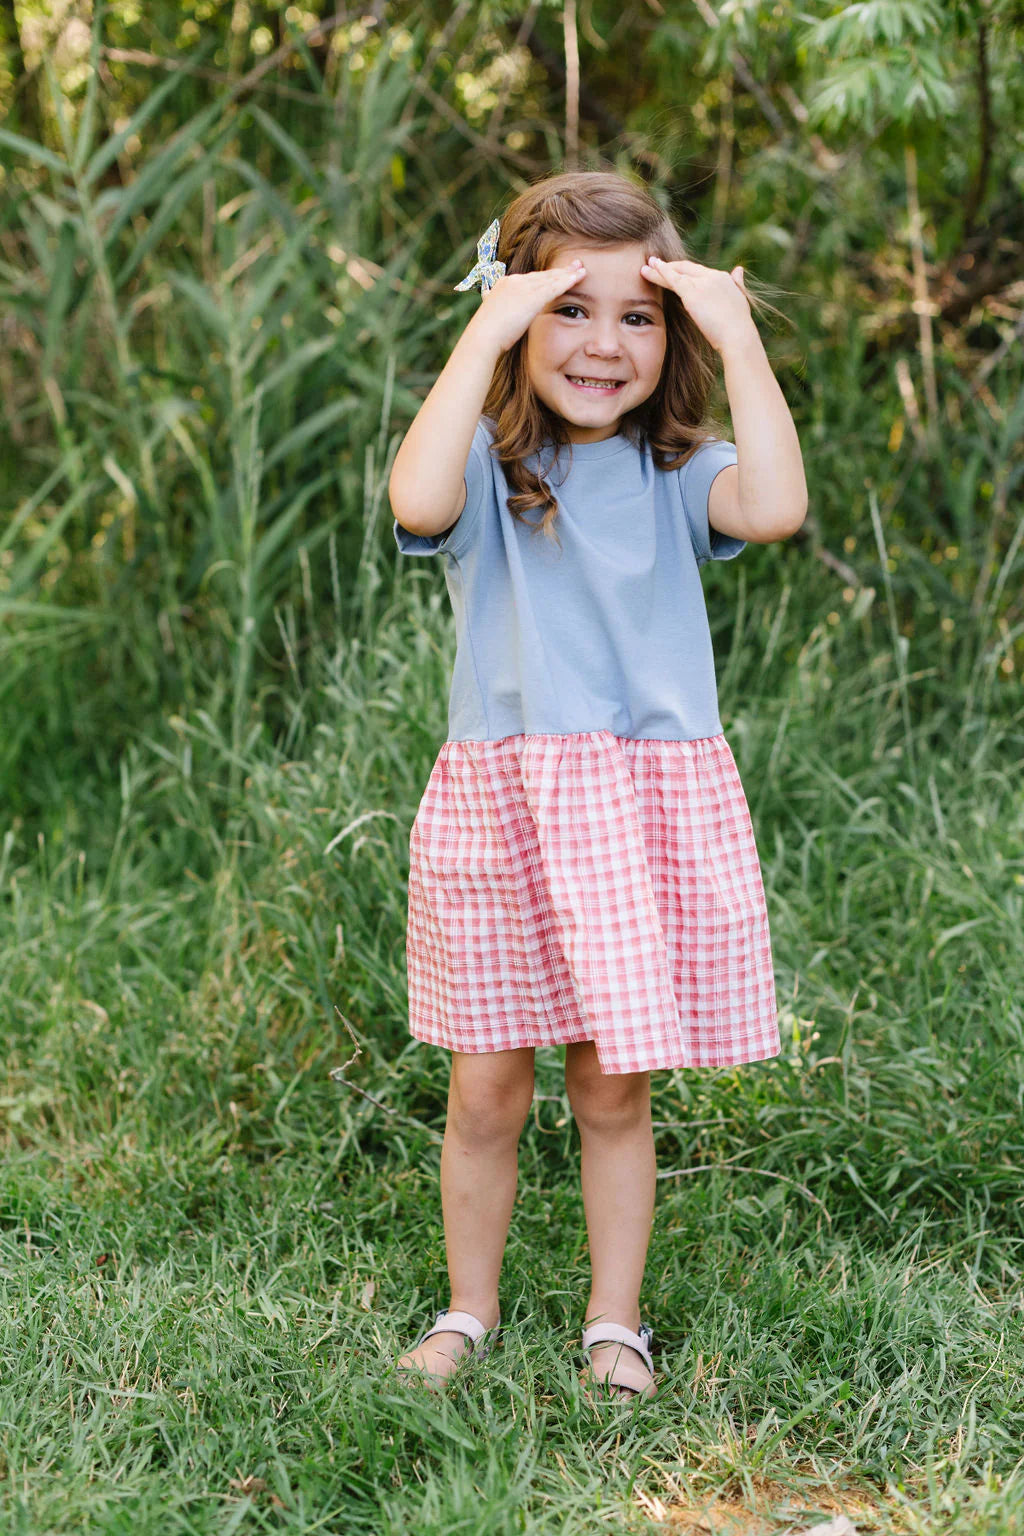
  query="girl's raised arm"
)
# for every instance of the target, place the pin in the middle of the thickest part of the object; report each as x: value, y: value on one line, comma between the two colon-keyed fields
x: 426, y: 486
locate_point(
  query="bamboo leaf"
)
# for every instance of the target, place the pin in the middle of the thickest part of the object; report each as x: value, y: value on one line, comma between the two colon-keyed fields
x: 156, y: 173
x: 311, y: 427
x: 282, y: 525
x: 58, y: 297
x: 53, y: 611
x: 872, y: 22
x: 33, y: 151
x: 170, y: 206
x: 262, y: 291
x: 18, y: 521
x: 287, y: 145
x: 109, y: 150
x: 200, y: 296
x: 299, y: 359
x: 24, y: 572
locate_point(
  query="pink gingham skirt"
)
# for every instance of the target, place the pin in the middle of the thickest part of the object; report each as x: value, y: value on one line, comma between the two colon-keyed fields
x: 589, y: 886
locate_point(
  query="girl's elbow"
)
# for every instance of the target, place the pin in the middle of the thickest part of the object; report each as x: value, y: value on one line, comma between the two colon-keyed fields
x: 798, y: 522
x: 796, y: 519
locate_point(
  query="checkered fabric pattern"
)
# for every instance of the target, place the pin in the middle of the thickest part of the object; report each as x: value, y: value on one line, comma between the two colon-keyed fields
x: 590, y: 887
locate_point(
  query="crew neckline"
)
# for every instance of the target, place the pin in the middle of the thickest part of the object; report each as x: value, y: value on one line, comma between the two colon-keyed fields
x: 599, y: 450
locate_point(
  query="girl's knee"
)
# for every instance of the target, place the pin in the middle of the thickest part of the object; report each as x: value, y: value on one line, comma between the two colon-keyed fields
x: 490, y: 1094
x: 606, y: 1101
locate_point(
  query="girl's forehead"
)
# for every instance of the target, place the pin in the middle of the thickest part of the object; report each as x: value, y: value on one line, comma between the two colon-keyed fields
x: 610, y: 269
x: 600, y: 257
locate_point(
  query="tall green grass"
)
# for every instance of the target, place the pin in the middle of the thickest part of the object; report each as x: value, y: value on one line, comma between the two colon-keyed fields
x: 218, y: 335
x: 206, y: 377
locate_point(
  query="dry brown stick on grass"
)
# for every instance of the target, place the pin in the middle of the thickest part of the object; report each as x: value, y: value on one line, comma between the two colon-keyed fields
x: 336, y: 1075
x: 765, y: 1173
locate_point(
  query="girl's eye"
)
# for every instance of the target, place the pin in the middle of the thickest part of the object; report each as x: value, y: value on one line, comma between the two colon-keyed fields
x: 635, y: 314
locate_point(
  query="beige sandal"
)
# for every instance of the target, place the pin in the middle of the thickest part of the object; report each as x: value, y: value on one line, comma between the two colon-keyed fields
x: 481, y: 1341
x: 614, y: 1333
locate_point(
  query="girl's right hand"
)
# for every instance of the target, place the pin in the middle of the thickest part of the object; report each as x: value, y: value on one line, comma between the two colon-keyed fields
x: 516, y: 299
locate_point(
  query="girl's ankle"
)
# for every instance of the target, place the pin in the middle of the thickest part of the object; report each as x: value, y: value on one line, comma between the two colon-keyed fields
x: 626, y: 1317
x: 488, y: 1312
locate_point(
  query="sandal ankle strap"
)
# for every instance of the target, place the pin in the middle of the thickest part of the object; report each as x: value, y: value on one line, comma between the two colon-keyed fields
x: 459, y: 1322
x: 614, y: 1333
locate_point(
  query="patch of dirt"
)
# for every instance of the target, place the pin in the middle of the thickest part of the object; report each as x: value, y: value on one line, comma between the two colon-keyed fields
x: 775, y: 1509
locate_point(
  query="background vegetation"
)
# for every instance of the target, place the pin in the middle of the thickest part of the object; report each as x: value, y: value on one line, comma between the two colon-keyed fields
x: 228, y: 239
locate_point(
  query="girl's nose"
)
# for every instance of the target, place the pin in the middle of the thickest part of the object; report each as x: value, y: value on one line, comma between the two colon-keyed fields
x: 602, y: 344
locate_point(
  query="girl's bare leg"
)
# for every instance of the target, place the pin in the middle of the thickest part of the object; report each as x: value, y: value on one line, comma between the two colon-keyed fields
x: 489, y: 1098
x: 613, y: 1113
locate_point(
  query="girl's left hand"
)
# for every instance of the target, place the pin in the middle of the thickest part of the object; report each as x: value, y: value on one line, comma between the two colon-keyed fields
x: 716, y: 301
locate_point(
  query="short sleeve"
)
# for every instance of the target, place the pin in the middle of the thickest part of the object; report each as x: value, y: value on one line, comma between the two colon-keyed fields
x: 459, y: 537
x: 695, y: 480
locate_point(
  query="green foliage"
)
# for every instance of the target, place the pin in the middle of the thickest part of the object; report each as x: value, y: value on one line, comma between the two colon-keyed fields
x: 887, y: 60
x: 222, y: 692
x: 223, y: 293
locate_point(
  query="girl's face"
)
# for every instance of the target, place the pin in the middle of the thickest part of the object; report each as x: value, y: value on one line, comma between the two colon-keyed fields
x: 609, y: 327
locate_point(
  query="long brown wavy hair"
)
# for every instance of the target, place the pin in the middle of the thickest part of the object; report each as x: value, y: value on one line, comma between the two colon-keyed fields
x: 599, y: 208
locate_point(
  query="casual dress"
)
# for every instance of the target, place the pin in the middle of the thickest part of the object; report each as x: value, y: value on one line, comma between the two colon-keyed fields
x: 582, y: 862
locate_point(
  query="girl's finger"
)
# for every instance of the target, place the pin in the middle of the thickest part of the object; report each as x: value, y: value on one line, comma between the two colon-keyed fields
x: 662, y: 273
x: 665, y: 269
x: 682, y: 262
x: 552, y: 276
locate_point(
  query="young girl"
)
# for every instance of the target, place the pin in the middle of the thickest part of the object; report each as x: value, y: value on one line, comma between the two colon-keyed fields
x: 582, y: 864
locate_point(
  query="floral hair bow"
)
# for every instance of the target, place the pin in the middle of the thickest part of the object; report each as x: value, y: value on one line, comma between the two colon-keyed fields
x: 486, y: 270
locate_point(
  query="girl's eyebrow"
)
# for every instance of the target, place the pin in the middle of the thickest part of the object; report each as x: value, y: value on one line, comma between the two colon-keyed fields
x: 574, y: 293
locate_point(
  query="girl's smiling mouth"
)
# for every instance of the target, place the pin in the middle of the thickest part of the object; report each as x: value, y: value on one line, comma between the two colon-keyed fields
x: 595, y: 385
